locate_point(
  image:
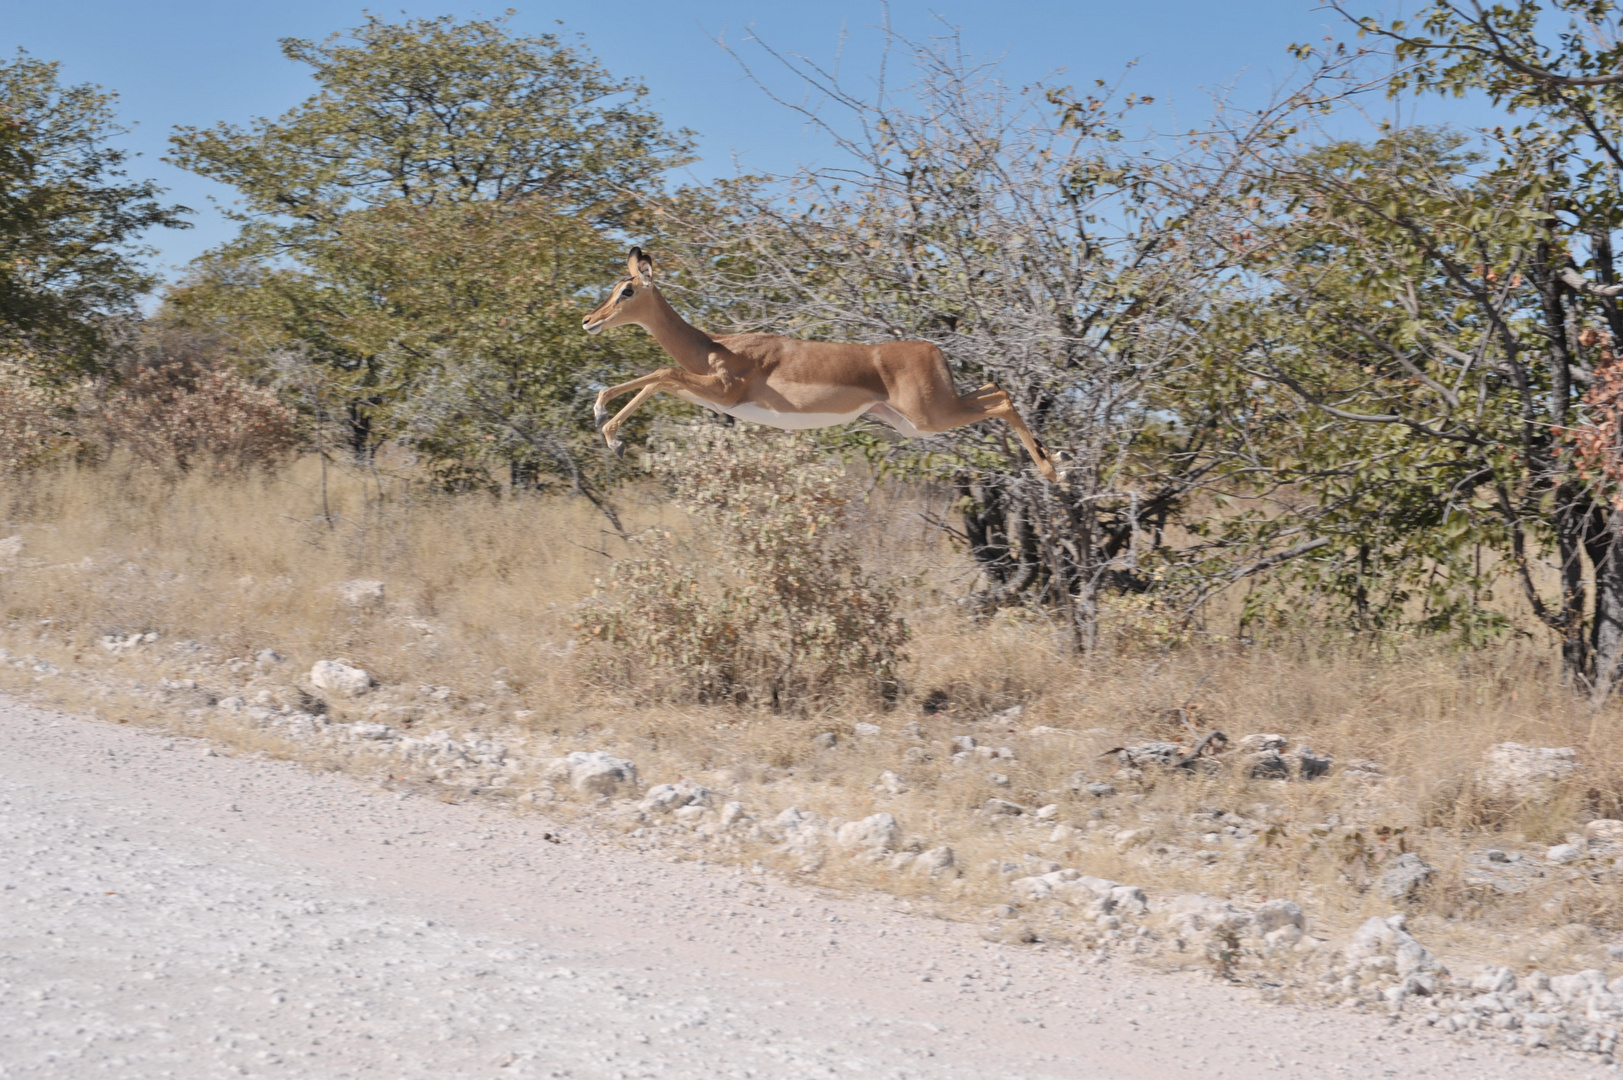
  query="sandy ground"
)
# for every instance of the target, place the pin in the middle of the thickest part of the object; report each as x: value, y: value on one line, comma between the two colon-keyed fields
x: 165, y: 911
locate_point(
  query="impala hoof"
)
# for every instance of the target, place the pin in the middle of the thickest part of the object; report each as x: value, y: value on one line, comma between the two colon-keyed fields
x: 600, y: 416
x: 619, y: 448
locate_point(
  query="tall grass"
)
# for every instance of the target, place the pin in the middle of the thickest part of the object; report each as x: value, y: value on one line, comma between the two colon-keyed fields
x: 482, y: 597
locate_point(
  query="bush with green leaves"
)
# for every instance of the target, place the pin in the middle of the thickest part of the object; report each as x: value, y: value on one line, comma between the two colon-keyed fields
x: 767, y: 602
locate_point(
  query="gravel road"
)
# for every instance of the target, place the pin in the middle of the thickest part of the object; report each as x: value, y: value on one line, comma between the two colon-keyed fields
x: 165, y: 911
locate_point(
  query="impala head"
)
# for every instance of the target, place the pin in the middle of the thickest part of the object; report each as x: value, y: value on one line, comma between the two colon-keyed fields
x: 628, y: 299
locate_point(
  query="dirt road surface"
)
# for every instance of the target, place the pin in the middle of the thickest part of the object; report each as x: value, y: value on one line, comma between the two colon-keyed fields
x: 169, y: 912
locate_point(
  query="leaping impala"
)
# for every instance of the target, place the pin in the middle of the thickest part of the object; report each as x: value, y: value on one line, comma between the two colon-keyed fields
x: 787, y: 383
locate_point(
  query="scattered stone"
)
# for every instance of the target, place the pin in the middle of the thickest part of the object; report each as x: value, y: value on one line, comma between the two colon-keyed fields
x: 266, y: 659
x: 1194, y: 913
x: 1007, y: 716
x: 1311, y: 766
x: 732, y: 814
x: 1371, y: 770
x: 1494, y: 980
x: 1150, y: 753
x: 1607, y: 830
x: 362, y: 593
x: 337, y: 677
x: 934, y: 862
x: 1128, y: 900
x: 875, y: 834
x: 1496, y: 855
x: 1099, y: 791
x: 1408, y: 874
x: 1004, y: 807
x: 1128, y: 838
x: 1278, y: 913
x: 1048, y: 813
x: 1511, y: 770
x: 1261, y: 744
x: 1267, y: 765
x: 668, y: 798
x: 593, y: 772
x: 1388, y: 944
x: 997, y: 779
x: 890, y: 783
x: 828, y: 740
x: 1562, y: 854
x: 867, y: 730
x: 964, y: 743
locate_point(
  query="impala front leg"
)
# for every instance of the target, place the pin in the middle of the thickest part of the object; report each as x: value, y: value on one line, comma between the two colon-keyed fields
x: 611, y: 429
x: 600, y: 408
x: 721, y: 390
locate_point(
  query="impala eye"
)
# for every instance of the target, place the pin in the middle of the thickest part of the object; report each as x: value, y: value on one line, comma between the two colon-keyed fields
x: 626, y: 295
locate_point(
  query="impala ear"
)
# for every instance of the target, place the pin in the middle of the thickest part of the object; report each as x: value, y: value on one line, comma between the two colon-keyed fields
x: 641, y: 267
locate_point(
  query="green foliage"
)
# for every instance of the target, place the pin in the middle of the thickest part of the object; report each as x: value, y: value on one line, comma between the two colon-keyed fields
x: 769, y: 602
x: 68, y: 221
x: 427, y: 229
x: 436, y: 111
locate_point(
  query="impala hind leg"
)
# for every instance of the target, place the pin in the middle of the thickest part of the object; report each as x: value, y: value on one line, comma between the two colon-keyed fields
x: 997, y: 404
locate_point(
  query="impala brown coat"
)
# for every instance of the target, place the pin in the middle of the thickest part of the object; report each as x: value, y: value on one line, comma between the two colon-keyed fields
x: 788, y: 383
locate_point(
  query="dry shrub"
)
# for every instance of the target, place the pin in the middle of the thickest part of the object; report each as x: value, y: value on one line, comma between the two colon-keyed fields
x: 174, y: 413
x: 769, y: 601
x: 35, y: 419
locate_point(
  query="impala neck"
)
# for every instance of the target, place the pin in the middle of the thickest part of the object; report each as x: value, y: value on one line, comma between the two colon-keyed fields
x: 687, y: 344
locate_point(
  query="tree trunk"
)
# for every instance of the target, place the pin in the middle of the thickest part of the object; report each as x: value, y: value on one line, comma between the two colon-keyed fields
x: 1606, y: 629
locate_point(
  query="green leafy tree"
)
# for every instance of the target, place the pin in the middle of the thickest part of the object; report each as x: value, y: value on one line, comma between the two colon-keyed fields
x: 70, y: 258
x: 427, y: 227
x: 1435, y: 319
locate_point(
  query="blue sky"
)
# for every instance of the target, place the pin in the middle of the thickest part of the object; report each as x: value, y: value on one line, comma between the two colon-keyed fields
x: 190, y: 62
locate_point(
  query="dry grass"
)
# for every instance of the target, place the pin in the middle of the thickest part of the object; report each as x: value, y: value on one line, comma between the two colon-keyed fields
x: 480, y: 594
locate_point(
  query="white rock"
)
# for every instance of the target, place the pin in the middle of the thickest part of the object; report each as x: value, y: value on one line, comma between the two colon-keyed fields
x: 364, y: 730
x: 1494, y: 980
x: 593, y: 772
x: 266, y: 659
x: 875, y: 833
x: 890, y: 783
x: 1128, y: 838
x: 664, y: 798
x: 1572, y: 987
x: 1283, y: 937
x: 1275, y: 914
x: 866, y: 729
x: 1129, y: 899
x: 339, y: 678
x: 1564, y: 853
x: 361, y: 593
x: 1196, y: 912
x: 1048, y: 813
x: 1004, y: 807
x: 690, y: 815
x: 10, y: 548
x: 933, y: 862
x: 1511, y: 770
x: 1386, y: 939
x: 732, y: 814
x: 1256, y: 744
x: 1605, y: 829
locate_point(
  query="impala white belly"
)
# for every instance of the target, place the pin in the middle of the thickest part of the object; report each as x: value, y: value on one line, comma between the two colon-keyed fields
x: 795, y: 421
